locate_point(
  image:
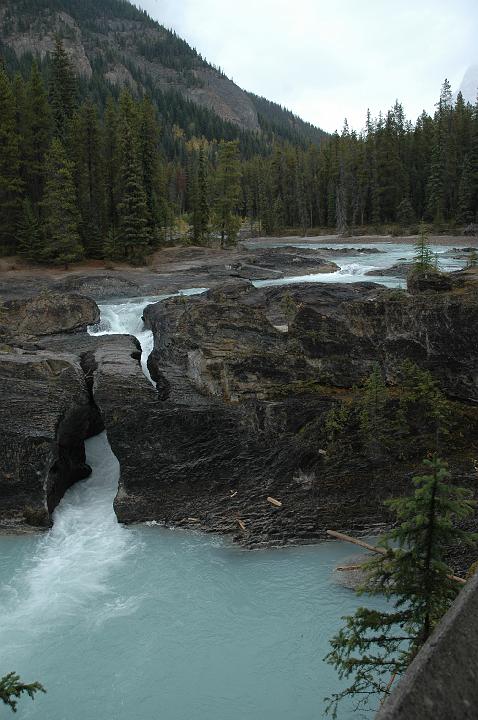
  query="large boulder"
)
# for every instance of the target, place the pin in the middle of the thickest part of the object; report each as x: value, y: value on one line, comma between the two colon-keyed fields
x: 45, y: 417
x: 46, y: 314
x: 419, y: 281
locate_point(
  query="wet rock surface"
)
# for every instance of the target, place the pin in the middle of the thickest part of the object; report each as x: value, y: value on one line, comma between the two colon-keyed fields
x: 238, y: 411
x: 46, y: 314
x: 442, y: 681
x: 45, y: 418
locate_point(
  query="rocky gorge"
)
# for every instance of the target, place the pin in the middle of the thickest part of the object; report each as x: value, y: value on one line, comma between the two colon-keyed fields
x: 230, y: 438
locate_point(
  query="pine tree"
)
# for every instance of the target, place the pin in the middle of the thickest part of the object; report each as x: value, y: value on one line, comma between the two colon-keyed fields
x: 111, y: 162
x: 89, y: 178
x: 30, y: 241
x: 63, y: 90
x: 12, y: 688
x: 149, y: 156
x: 59, y: 209
x: 465, y: 212
x: 204, y: 213
x: 37, y: 134
x: 11, y: 185
x: 371, y: 413
x: 375, y: 646
x: 405, y: 213
x: 200, y: 200
x: 423, y: 260
x: 133, y: 230
x: 228, y: 192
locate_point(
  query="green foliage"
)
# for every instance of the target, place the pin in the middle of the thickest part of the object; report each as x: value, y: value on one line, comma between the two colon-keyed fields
x: 227, y: 221
x: 378, y: 423
x: 200, y: 200
x: 60, y: 210
x: 11, y: 184
x: 424, y: 259
x: 189, y: 164
x: 63, y: 91
x: 12, y: 688
x: 374, y: 646
x: 29, y: 236
x: 133, y: 220
x: 89, y: 177
x: 405, y: 213
x: 423, y: 408
x: 372, y: 417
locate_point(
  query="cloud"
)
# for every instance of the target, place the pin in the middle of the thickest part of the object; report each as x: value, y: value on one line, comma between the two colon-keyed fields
x: 327, y: 61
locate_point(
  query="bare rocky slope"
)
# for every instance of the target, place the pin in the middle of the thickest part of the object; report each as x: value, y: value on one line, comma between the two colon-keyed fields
x: 112, y: 42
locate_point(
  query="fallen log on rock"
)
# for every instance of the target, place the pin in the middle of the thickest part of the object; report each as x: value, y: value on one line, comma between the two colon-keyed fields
x: 375, y: 549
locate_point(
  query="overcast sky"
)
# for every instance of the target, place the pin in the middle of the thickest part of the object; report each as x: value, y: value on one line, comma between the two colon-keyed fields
x: 331, y: 59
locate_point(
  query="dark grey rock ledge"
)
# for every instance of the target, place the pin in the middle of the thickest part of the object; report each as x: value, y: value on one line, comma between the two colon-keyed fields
x: 442, y: 681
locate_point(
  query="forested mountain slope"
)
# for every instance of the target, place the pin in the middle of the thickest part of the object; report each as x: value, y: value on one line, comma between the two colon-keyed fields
x: 112, y: 43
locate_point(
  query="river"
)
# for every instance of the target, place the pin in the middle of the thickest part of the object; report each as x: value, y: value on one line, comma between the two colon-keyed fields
x: 147, y: 623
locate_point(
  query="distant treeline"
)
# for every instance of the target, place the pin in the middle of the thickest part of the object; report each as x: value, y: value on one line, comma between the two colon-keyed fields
x: 82, y: 176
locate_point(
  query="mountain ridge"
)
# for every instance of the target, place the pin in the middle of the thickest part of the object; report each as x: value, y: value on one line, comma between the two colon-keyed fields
x: 115, y: 42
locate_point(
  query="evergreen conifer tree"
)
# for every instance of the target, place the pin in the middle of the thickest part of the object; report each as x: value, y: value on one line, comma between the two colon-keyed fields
x: 133, y: 230
x: 111, y: 162
x: 37, y: 134
x: 228, y: 192
x: 200, y: 201
x: 63, y: 89
x: 375, y: 646
x: 11, y: 184
x: 12, y: 688
x: 405, y: 213
x: 60, y: 209
x: 424, y: 260
x: 86, y: 146
x: 466, y: 212
x: 371, y: 413
x: 30, y: 241
x: 150, y: 162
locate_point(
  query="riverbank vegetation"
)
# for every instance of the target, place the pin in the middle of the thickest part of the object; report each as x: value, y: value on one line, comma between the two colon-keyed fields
x: 86, y: 172
x: 373, y: 648
x: 12, y: 688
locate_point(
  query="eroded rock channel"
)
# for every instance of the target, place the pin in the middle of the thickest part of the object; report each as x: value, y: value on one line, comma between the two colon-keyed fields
x: 245, y: 379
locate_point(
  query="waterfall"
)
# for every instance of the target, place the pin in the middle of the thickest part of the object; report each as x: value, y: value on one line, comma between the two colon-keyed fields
x: 72, y: 563
x: 125, y: 319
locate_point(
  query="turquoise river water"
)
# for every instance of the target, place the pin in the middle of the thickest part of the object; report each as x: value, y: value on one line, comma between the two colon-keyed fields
x: 146, y: 623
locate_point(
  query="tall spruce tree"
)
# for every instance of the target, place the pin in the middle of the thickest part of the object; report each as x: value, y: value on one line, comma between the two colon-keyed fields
x: 111, y: 159
x: 200, y: 201
x: 149, y: 134
x: 89, y: 177
x: 11, y: 184
x: 424, y: 259
x: 133, y: 219
x: 63, y: 89
x: 374, y: 646
x: 29, y: 235
x: 37, y: 134
x: 60, y: 209
x: 228, y: 192
x: 465, y: 211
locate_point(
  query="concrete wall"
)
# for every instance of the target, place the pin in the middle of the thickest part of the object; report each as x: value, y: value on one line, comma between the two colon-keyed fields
x: 442, y: 681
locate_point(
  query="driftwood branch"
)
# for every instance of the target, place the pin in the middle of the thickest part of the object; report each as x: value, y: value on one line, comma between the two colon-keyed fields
x: 374, y: 549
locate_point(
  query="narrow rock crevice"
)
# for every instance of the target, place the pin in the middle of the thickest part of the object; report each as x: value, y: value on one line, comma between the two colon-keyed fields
x: 78, y: 424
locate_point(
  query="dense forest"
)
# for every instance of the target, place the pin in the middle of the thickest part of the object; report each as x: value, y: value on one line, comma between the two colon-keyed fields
x: 89, y: 174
